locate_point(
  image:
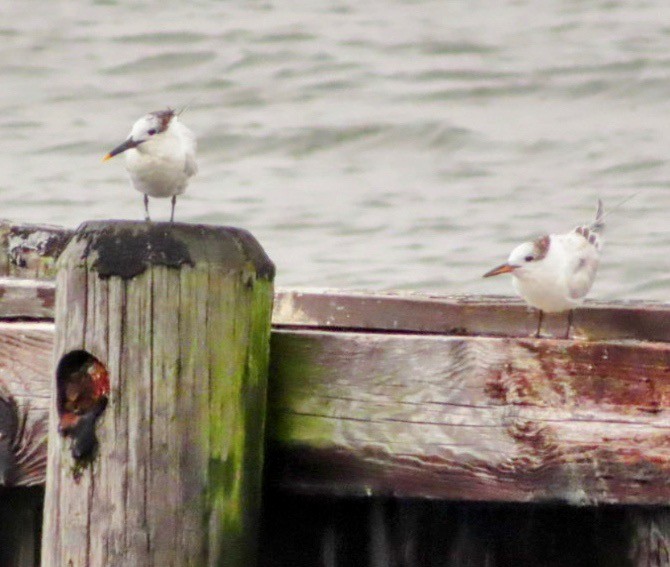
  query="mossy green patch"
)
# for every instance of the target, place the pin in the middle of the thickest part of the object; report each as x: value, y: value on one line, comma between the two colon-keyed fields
x: 238, y: 337
x: 295, y: 372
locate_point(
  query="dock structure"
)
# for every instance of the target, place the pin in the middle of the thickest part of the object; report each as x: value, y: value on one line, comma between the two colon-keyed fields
x: 401, y: 429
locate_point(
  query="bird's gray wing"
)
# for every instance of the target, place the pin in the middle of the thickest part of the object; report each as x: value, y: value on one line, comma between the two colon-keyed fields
x: 190, y: 166
x: 190, y: 147
x: 583, y: 264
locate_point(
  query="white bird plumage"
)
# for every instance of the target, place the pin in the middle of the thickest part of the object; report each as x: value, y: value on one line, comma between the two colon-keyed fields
x: 160, y: 156
x: 555, y: 272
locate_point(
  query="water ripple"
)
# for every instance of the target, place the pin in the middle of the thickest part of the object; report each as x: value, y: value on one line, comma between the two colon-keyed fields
x: 165, y: 61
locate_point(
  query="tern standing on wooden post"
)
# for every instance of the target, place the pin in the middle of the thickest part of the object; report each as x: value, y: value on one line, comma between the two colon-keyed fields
x: 555, y: 272
x: 160, y: 156
x: 156, y: 430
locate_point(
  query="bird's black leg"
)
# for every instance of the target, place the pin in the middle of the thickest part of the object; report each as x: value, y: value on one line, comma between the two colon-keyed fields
x: 570, y: 314
x: 174, y: 202
x: 146, y: 208
x: 539, y: 324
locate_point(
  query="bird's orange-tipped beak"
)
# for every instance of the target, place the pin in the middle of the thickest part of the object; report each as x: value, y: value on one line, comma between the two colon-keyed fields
x: 502, y: 269
x: 129, y: 143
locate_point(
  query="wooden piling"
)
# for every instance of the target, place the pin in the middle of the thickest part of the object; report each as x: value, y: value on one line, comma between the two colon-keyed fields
x: 169, y: 450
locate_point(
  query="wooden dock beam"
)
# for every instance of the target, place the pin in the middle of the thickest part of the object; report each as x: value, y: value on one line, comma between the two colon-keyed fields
x: 156, y: 429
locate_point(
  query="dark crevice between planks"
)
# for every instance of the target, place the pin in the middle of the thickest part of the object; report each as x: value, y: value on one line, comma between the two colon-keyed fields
x: 21, y: 521
x: 305, y: 531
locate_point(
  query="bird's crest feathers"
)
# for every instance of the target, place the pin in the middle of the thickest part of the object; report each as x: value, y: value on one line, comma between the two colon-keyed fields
x: 541, y: 247
x: 164, y: 118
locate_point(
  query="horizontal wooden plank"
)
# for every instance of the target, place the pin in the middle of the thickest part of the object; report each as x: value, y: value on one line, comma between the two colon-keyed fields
x: 26, y: 299
x: 408, y: 313
x: 470, y: 418
x: 467, y: 315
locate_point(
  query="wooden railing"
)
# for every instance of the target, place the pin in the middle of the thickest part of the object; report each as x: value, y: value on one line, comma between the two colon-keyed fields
x: 409, y: 395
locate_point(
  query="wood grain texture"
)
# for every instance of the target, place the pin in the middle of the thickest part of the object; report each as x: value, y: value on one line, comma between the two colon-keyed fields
x: 512, y: 420
x: 25, y: 363
x: 186, y: 347
x: 470, y: 418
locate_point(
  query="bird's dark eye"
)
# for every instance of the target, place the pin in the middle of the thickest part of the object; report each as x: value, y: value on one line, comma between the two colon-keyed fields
x: 529, y: 258
x: 151, y: 132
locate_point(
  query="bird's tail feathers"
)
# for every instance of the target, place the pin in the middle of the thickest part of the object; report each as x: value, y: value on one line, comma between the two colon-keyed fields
x: 598, y: 225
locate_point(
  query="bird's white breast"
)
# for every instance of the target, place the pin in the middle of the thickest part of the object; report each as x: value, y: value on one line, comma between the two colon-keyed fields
x: 547, y: 293
x: 545, y: 285
x: 160, y: 166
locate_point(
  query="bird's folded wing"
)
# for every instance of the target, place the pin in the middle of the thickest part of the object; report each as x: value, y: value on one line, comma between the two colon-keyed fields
x: 583, y: 264
x: 190, y: 166
x: 190, y: 147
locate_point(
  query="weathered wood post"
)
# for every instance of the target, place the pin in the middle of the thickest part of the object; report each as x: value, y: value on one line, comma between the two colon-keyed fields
x: 156, y: 425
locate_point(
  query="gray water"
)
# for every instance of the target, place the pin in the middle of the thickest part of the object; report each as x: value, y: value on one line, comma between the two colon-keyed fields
x: 370, y: 145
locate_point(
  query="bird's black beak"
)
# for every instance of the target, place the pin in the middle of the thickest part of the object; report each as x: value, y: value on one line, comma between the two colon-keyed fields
x: 129, y: 143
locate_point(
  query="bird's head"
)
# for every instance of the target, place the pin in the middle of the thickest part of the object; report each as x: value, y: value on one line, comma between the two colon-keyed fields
x: 524, y: 259
x: 146, y: 128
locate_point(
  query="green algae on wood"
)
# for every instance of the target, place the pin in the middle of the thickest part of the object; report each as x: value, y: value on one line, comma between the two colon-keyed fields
x: 177, y: 479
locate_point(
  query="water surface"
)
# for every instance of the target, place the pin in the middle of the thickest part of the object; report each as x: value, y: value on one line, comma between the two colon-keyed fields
x: 370, y: 145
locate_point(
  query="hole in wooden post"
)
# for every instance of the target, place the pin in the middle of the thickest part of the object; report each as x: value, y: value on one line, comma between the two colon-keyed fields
x: 83, y: 388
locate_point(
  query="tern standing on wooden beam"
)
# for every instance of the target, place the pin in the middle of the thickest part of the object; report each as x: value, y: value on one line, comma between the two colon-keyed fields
x: 160, y: 156
x: 555, y: 272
